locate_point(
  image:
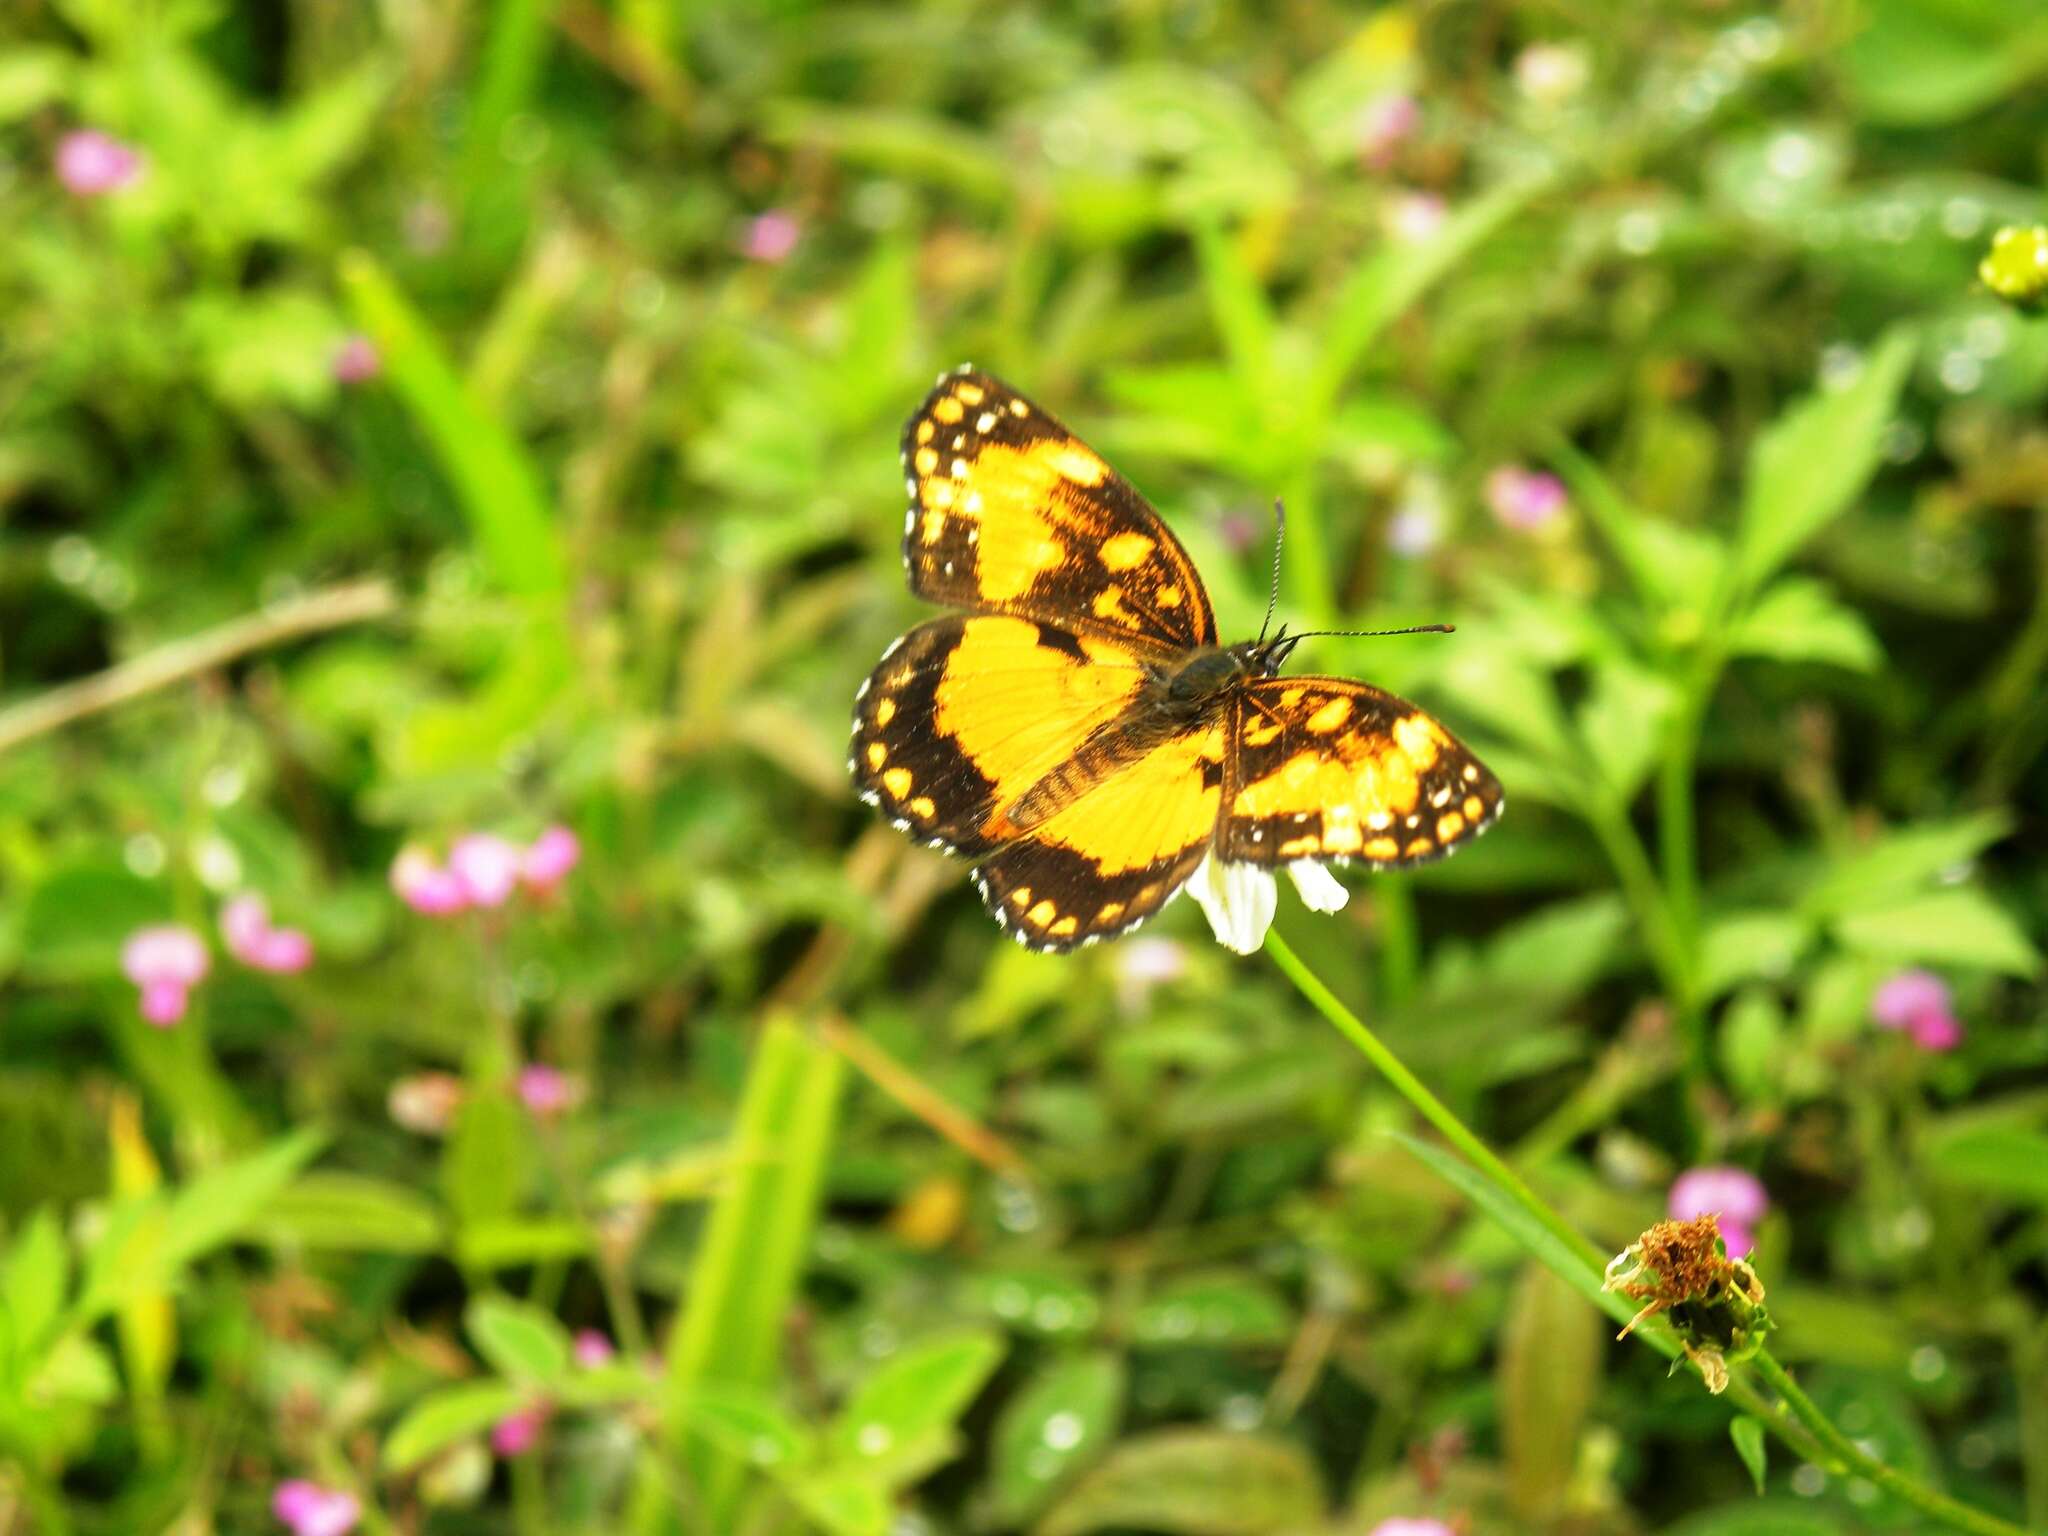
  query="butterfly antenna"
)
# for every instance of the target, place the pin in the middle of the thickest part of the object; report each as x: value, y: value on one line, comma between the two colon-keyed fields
x: 1279, y: 538
x: 1370, y: 634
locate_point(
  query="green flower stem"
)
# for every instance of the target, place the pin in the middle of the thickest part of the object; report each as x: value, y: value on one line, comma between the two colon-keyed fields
x: 1935, y: 1505
x: 1799, y: 1422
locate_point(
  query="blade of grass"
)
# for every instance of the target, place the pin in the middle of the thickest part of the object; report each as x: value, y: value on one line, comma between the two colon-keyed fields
x: 497, y: 484
x: 748, y: 1262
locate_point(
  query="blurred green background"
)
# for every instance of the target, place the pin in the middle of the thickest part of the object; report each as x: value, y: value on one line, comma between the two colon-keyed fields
x: 474, y: 418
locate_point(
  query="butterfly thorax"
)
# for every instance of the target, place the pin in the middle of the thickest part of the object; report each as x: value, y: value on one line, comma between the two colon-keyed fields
x: 1190, y: 687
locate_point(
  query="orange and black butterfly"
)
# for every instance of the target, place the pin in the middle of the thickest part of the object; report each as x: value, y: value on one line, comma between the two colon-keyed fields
x: 1077, y: 730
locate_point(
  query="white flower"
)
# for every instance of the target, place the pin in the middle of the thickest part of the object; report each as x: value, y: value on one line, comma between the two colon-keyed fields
x: 1239, y: 899
x: 1317, y: 887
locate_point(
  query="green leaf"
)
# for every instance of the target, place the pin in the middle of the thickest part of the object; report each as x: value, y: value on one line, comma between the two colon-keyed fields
x: 1775, y: 1518
x: 1623, y: 720
x: 1057, y: 1422
x: 1751, y: 1042
x: 844, y: 1501
x: 355, y: 1213
x: 1959, y: 927
x: 30, y: 79
x: 1810, y: 465
x: 1748, y: 1435
x: 1799, y: 619
x: 745, y: 1270
x: 1381, y: 287
x: 488, y: 1159
x: 750, y: 1426
x: 1996, y: 1160
x: 1737, y: 946
x: 1213, y: 1310
x: 1551, y: 1351
x: 917, y: 1394
x: 1237, y: 306
x: 518, y: 1340
x: 1925, y: 62
x: 1902, y: 861
x: 33, y: 1280
x: 454, y: 1413
x: 221, y: 1204
x: 1193, y: 1482
x: 497, y: 483
x: 514, y: 1241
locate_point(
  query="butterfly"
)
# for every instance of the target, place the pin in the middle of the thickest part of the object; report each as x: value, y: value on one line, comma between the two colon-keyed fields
x: 1076, y: 729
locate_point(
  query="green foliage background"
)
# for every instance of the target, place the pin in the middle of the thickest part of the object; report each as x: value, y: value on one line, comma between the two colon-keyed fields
x: 919, y: 1233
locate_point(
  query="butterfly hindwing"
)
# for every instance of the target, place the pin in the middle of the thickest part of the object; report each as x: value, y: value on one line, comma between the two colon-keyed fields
x: 966, y: 713
x: 1012, y: 513
x: 1116, y: 854
x: 1327, y: 768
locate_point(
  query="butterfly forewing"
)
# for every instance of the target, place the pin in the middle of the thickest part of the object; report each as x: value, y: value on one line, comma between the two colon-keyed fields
x: 1327, y: 768
x: 1012, y: 513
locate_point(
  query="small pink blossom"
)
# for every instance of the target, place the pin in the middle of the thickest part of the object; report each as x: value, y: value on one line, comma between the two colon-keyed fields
x: 548, y: 859
x: 1736, y: 1195
x: 1144, y: 964
x: 1403, y: 1526
x: 518, y: 1433
x: 1384, y: 126
x: 166, y: 962
x: 488, y: 867
x: 425, y: 885
x: 1524, y: 499
x: 426, y: 1102
x: 246, y: 929
x: 92, y: 164
x: 546, y: 1091
x: 357, y: 360
x: 593, y: 1349
x: 1919, y: 1003
x: 1414, y: 217
x: 771, y: 237
x: 311, y: 1510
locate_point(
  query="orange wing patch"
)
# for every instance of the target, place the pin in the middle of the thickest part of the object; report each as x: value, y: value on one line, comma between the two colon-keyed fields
x: 964, y: 714
x: 1011, y: 513
x: 1326, y: 768
x: 1115, y: 856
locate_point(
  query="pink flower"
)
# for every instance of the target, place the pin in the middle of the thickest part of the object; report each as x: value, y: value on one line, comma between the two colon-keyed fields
x: 593, y: 1349
x: 311, y: 1510
x: 166, y: 961
x: 246, y: 930
x: 548, y: 859
x: 426, y: 1102
x: 547, y: 1091
x: 1524, y: 500
x: 1919, y: 1003
x: 1736, y: 1195
x: 518, y: 1433
x: 487, y: 865
x: 93, y: 164
x: 425, y: 886
x: 1384, y: 126
x: 771, y: 237
x: 1402, y: 1526
x: 357, y: 360
x: 1415, y: 216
